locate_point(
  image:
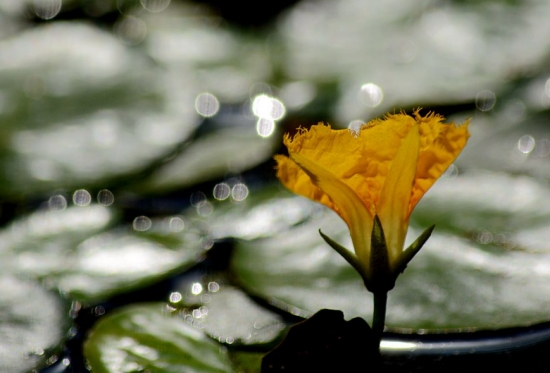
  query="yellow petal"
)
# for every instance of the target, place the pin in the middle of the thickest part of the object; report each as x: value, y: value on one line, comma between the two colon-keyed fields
x: 440, y: 145
x: 393, y: 203
x: 335, y: 150
x: 347, y: 204
x: 296, y: 180
x: 380, y: 139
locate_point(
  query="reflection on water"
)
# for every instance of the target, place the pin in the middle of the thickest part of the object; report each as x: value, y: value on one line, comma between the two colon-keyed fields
x: 485, y: 100
x: 105, y: 197
x: 268, y: 110
x: 82, y: 197
x: 207, y: 105
x: 46, y: 9
x: 267, y: 107
x: 57, y: 203
x: 197, y: 199
x: 175, y: 297
x: 176, y: 224
x: 142, y: 223
x: 155, y: 6
x: 221, y: 191
x: 213, y: 287
x: 526, y: 144
x: 196, y: 288
x: 355, y: 126
x: 371, y: 94
x: 265, y: 127
x: 239, y: 192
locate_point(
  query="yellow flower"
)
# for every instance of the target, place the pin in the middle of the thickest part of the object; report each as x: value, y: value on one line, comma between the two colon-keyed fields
x: 381, y: 171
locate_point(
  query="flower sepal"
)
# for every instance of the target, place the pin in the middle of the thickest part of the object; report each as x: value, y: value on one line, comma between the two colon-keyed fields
x: 350, y: 257
x: 408, y: 254
x: 380, y: 275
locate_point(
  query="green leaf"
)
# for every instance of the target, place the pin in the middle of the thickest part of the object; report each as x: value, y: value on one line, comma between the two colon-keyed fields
x: 33, y: 324
x: 149, y: 337
x: 429, y: 81
x: 263, y: 213
x: 85, y: 115
x: 74, y: 251
x: 209, y: 157
x: 227, y: 314
x: 119, y: 261
x: 456, y: 281
x: 246, y: 361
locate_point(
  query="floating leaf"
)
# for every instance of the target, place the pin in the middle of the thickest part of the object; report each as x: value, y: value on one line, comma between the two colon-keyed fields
x: 214, y: 155
x: 33, y: 323
x: 119, y: 261
x: 229, y: 315
x: 265, y: 212
x: 458, y: 280
x: 147, y: 337
x: 73, y: 251
x: 394, y: 39
x: 40, y: 244
x: 82, y: 109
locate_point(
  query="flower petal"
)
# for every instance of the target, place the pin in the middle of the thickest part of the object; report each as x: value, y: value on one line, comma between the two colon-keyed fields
x: 393, y: 203
x: 380, y: 139
x: 440, y: 145
x: 336, y: 150
x: 296, y: 180
x: 348, y: 204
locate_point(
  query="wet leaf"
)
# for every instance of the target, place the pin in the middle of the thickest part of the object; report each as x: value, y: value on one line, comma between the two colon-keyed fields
x: 73, y: 250
x: 119, y: 261
x: 83, y: 110
x: 228, y: 315
x: 264, y: 212
x: 214, y: 155
x: 33, y: 324
x: 472, y: 272
x: 147, y: 337
x: 395, y: 38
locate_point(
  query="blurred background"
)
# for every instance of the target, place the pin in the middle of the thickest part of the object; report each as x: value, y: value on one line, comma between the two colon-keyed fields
x: 136, y: 145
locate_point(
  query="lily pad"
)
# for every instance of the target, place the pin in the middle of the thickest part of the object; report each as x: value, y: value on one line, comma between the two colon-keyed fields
x: 394, y: 53
x: 83, y: 109
x: 458, y: 280
x: 148, y: 337
x: 502, y: 204
x: 214, y: 155
x: 189, y: 35
x: 33, y: 324
x: 75, y: 251
x: 119, y: 261
x: 246, y: 361
x: 38, y: 244
x: 507, y: 143
x: 264, y: 212
x: 227, y: 314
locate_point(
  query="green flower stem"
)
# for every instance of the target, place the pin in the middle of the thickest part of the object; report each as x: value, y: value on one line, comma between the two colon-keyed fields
x: 379, y: 316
